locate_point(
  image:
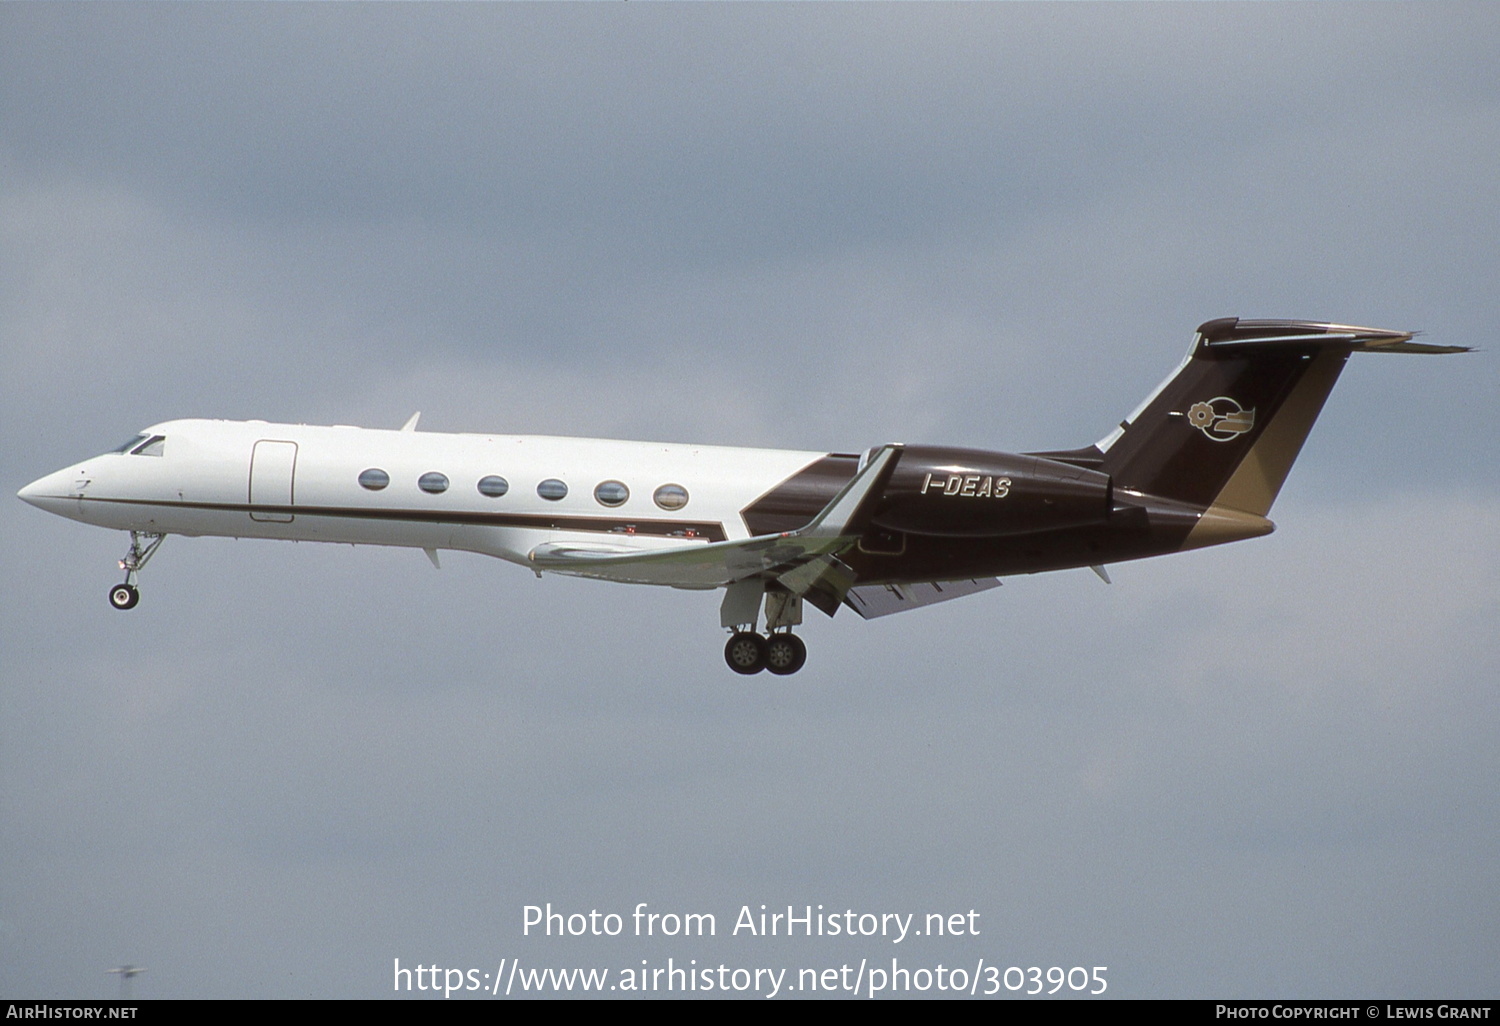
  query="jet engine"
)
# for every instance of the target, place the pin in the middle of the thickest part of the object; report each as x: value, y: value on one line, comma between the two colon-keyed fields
x: 971, y: 493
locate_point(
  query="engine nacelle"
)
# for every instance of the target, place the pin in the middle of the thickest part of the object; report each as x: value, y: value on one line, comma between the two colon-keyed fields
x: 971, y: 493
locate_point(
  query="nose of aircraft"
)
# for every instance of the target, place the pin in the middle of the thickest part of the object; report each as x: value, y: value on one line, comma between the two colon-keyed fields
x: 50, y: 493
x: 31, y: 492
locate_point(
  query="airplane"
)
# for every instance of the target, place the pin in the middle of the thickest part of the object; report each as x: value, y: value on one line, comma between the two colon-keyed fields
x: 892, y: 528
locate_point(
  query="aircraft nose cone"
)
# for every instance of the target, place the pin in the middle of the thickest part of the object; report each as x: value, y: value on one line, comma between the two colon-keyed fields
x: 32, y: 492
x: 50, y: 493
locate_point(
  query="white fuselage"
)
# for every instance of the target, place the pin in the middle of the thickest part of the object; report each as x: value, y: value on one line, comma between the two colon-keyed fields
x: 250, y: 479
x: 896, y: 528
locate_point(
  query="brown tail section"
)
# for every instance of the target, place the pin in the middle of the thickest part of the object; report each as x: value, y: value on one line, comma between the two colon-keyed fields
x: 1226, y: 428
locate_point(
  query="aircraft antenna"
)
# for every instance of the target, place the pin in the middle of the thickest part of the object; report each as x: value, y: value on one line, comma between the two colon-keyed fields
x: 127, y: 973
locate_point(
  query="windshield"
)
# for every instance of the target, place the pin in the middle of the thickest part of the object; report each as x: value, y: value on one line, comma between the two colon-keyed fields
x: 142, y: 445
x: 129, y: 443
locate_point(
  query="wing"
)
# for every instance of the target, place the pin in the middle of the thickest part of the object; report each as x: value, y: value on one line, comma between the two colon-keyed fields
x: 810, y: 550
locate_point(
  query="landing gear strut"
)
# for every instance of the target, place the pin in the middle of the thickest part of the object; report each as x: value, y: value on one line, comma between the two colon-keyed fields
x: 143, y: 546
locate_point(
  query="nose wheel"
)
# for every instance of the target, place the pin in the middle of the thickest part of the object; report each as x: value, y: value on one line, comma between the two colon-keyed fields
x: 782, y: 653
x: 142, y: 547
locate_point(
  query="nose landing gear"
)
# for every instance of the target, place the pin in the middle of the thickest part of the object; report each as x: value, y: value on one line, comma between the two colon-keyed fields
x: 143, y: 546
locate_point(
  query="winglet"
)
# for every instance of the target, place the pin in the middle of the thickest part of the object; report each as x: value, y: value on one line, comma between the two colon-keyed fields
x: 850, y: 510
x: 411, y: 425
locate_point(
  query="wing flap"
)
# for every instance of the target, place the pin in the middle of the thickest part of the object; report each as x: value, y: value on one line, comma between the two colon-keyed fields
x: 873, y: 600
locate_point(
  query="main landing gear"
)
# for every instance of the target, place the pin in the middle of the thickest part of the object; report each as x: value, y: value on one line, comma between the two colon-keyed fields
x: 142, y: 547
x: 782, y: 653
x: 778, y: 650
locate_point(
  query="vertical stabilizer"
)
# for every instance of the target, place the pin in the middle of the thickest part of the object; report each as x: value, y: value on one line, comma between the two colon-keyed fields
x: 1224, y: 430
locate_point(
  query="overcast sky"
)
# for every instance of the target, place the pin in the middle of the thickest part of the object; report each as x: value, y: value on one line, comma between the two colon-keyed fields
x: 1262, y: 770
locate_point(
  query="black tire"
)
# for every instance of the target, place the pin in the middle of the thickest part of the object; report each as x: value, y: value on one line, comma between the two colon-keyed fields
x: 124, y: 596
x: 785, y: 654
x: 746, y: 652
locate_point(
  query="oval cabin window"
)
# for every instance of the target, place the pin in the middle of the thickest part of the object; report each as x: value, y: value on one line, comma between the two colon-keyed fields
x: 671, y: 496
x: 374, y: 479
x: 611, y: 493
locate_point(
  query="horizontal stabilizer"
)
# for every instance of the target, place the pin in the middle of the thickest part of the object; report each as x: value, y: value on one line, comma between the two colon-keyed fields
x: 1420, y: 348
x: 874, y: 600
x: 1233, y: 335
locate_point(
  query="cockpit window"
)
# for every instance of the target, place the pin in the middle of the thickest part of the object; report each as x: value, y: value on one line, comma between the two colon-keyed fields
x: 130, y: 443
x: 143, y: 445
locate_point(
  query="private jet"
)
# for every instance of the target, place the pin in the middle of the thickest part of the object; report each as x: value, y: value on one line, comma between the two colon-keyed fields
x: 887, y: 529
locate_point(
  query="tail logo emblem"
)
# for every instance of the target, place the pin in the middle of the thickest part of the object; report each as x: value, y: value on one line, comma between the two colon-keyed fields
x: 1221, y: 419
